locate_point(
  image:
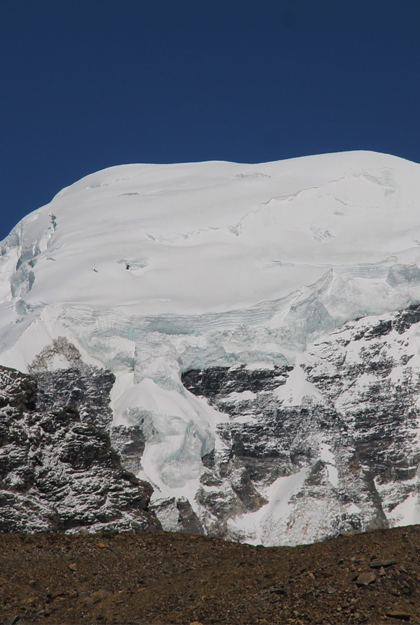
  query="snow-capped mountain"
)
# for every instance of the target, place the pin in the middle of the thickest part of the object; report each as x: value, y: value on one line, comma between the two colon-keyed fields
x: 262, y: 325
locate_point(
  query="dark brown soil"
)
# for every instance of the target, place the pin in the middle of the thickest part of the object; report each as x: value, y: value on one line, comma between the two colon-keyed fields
x: 159, y: 577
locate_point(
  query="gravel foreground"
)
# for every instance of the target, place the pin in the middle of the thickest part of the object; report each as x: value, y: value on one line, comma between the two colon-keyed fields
x: 159, y: 577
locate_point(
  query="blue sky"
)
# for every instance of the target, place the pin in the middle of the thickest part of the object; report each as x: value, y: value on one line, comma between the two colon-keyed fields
x: 87, y: 84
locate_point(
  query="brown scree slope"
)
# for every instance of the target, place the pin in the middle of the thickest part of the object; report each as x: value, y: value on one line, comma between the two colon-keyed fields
x: 158, y: 577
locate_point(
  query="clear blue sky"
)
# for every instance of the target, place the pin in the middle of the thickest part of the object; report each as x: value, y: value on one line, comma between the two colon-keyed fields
x: 86, y: 84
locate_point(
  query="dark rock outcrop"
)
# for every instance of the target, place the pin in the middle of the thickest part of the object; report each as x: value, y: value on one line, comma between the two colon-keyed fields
x: 351, y: 434
x: 58, y: 470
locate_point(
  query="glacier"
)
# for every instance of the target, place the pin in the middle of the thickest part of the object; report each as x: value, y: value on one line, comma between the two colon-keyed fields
x: 213, y: 291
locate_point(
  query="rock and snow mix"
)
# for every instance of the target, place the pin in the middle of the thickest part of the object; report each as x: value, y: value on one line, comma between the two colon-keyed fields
x: 218, y: 295
x: 58, y: 469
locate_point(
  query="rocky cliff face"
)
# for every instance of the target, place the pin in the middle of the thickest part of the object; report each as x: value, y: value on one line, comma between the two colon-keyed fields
x: 58, y: 471
x: 303, y: 452
x: 326, y: 446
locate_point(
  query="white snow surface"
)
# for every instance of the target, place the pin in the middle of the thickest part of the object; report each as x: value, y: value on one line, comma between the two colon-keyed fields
x: 151, y: 270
